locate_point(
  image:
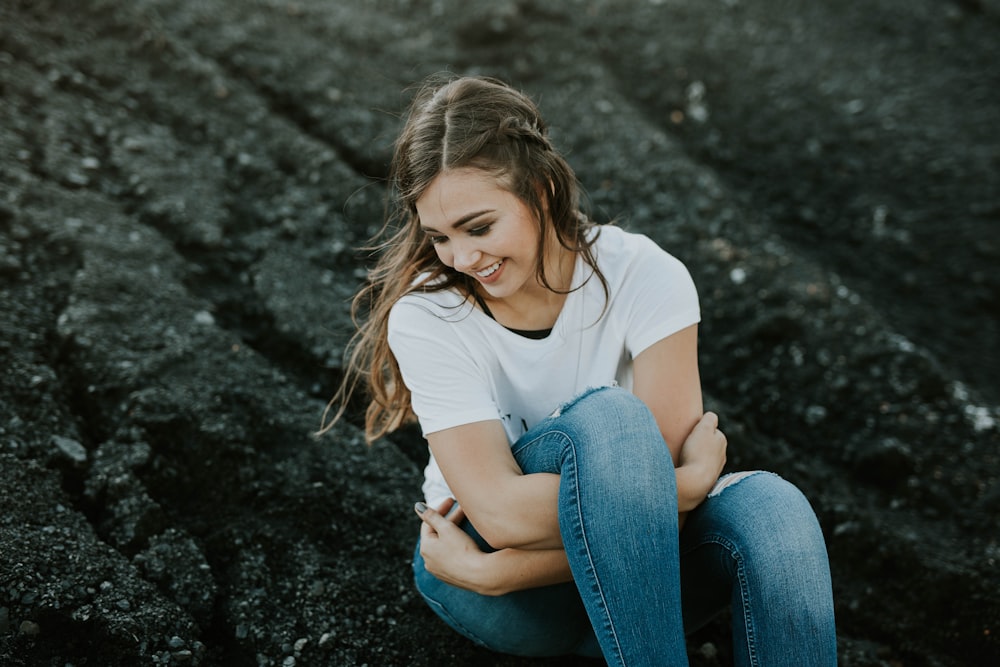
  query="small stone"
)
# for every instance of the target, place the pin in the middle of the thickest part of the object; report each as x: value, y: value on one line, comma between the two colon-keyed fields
x: 815, y: 414
x: 300, y: 644
x: 30, y: 628
x: 204, y: 317
x: 123, y: 604
x: 708, y: 651
x: 854, y: 107
x: 70, y: 448
x: 77, y: 179
x: 325, y: 640
x: 175, y: 643
x: 288, y: 662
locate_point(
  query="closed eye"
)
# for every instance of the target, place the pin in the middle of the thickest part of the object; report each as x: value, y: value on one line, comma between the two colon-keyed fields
x: 482, y: 230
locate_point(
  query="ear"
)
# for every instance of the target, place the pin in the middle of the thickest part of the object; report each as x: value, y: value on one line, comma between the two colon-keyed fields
x: 543, y: 195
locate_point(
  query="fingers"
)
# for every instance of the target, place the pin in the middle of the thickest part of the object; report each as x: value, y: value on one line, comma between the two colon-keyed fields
x: 449, y: 509
x: 706, y: 428
x: 710, y: 424
x: 446, y: 506
x: 705, y: 441
x: 426, y: 532
x: 432, y: 518
x: 457, y: 515
x: 424, y: 512
x: 709, y: 420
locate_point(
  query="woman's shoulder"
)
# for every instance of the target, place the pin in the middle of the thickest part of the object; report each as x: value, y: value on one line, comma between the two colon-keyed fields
x: 617, y: 248
x: 429, y: 306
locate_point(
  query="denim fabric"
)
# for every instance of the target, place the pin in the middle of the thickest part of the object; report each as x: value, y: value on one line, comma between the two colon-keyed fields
x: 753, y: 545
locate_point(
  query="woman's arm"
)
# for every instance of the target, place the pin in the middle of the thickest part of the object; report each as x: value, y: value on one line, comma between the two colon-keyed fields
x: 514, y: 510
x: 451, y: 556
x: 524, y: 526
x: 666, y: 378
x: 508, y: 508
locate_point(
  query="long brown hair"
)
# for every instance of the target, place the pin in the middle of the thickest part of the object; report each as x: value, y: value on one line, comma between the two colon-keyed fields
x: 452, y: 123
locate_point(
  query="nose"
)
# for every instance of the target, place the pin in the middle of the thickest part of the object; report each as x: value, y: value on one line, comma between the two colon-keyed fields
x: 466, y: 256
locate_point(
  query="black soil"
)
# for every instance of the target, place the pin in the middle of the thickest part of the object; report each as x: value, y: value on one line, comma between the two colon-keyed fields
x: 183, y: 186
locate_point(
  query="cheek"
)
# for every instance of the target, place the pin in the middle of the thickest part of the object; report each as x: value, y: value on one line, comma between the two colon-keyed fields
x: 444, y: 254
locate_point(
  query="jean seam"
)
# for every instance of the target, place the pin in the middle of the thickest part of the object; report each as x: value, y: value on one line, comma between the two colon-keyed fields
x: 608, y: 623
x: 741, y: 577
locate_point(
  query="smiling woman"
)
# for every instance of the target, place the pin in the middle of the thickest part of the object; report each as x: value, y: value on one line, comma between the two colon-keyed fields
x: 572, y: 491
x: 492, y: 236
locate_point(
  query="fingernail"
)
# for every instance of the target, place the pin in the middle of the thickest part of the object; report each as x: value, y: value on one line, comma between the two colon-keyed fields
x: 420, y: 507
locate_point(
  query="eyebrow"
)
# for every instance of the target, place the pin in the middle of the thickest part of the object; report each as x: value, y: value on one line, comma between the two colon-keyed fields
x: 469, y: 217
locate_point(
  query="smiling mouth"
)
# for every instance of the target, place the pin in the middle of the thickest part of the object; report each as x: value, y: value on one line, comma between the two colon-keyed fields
x: 490, y: 270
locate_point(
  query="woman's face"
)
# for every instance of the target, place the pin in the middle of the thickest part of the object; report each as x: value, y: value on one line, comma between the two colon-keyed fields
x: 482, y: 230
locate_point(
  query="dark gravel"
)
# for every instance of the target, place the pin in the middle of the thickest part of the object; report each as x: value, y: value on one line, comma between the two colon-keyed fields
x: 183, y: 186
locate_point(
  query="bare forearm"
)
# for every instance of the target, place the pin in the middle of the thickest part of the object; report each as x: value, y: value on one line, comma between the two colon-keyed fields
x: 528, y: 518
x: 525, y: 517
x: 510, y: 570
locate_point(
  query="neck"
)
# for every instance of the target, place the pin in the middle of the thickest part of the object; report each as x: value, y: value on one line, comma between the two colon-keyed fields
x: 539, y: 307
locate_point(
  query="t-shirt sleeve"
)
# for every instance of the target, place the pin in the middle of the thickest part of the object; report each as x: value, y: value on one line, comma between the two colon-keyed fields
x: 662, y: 297
x: 447, y: 383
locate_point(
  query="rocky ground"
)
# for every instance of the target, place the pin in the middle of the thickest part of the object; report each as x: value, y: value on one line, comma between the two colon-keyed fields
x: 183, y: 186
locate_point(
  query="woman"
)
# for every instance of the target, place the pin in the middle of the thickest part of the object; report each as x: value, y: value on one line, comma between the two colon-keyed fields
x: 552, y: 365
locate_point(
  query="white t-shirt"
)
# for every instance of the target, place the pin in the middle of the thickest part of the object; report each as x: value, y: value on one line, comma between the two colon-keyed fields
x: 461, y: 366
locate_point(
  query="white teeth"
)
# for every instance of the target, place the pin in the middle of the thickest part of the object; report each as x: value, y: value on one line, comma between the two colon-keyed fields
x: 490, y: 270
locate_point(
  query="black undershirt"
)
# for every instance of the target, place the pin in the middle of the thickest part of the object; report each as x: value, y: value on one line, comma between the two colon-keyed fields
x: 534, y: 334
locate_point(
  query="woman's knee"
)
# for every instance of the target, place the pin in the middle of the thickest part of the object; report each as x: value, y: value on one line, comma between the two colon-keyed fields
x: 607, y: 399
x: 784, y: 497
x: 609, y: 413
x: 765, y: 511
x: 607, y: 435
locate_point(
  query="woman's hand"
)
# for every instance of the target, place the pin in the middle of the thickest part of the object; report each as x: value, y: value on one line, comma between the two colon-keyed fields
x: 451, y: 556
x: 703, y: 455
x: 448, y: 552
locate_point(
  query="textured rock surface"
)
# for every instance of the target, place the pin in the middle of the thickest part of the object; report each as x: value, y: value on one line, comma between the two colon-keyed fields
x: 183, y: 186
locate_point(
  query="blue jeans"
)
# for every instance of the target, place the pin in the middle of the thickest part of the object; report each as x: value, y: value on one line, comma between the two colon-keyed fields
x: 753, y: 545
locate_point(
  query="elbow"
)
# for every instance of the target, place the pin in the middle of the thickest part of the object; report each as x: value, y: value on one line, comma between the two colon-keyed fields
x: 505, y: 541
x: 496, y: 529
x: 494, y: 532
x: 518, y: 513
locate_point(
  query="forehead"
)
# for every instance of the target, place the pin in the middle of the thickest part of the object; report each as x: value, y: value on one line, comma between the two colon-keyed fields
x: 456, y: 193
